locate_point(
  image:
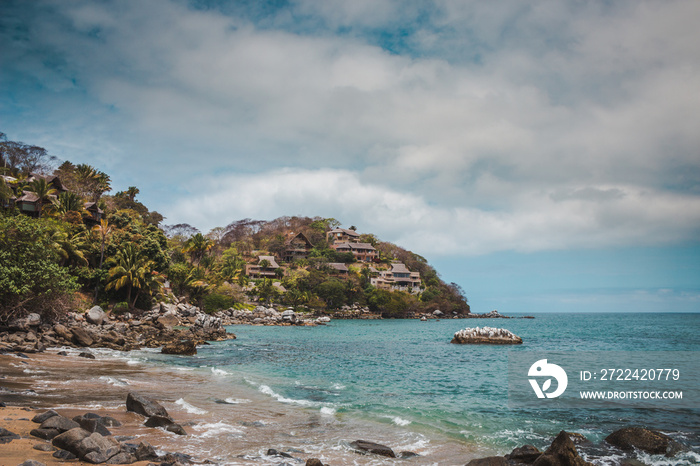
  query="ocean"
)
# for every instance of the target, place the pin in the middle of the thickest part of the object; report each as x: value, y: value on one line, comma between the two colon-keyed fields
x: 310, y: 391
x: 402, y: 383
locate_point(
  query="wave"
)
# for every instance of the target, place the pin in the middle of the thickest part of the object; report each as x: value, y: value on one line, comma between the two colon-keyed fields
x: 216, y: 371
x: 189, y: 408
x: 114, y: 381
x: 328, y: 411
x: 216, y: 428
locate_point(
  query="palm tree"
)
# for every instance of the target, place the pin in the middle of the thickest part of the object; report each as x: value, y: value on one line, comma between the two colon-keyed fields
x: 67, y: 202
x: 232, y: 267
x: 104, y: 230
x: 197, y: 246
x: 131, y: 192
x: 70, y: 248
x: 43, y: 191
x: 5, y: 194
x: 131, y: 269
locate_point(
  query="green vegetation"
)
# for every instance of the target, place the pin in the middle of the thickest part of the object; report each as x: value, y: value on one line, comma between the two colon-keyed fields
x: 75, y: 240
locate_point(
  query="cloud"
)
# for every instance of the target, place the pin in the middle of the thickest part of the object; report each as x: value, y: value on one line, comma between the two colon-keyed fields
x: 589, y: 217
x: 465, y: 126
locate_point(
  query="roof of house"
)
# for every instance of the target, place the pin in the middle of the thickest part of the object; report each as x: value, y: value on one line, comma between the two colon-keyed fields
x: 347, y: 245
x: 28, y: 196
x: 270, y: 259
x: 93, y: 207
x: 52, y: 179
x: 339, y: 266
x: 398, y: 267
x: 301, y: 236
x: 347, y: 232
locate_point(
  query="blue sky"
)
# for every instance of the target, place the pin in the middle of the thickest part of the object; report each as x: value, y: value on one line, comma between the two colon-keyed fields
x: 544, y: 155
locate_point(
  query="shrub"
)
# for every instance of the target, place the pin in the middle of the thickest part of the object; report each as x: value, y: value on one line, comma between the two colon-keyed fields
x: 215, y: 302
x: 120, y: 308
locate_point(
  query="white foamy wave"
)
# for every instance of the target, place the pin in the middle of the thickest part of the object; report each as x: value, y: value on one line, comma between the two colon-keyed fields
x: 236, y: 401
x: 216, y: 371
x: 189, y: 408
x: 268, y: 391
x: 34, y: 371
x: 338, y: 386
x: 114, y: 381
x: 682, y: 459
x: 215, y: 429
x: 400, y: 421
x: 328, y: 411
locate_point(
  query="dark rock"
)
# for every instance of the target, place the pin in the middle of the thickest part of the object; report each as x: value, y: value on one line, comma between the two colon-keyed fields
x: 313, y: 462
x: 62, y: 353
x: 64, y: 455
x: 122, y: 458
x: 63, y: 332
x: 6, y: 436
x: 97, y: 448
x: 92, y: 424
x: 43, y: 447
x: 86, y: 355
x: 81, y: 337
x: 145, y: 452
x: 31, y: 463
x: 562, y: 452
x: 371, y: 447
x: 22, y: 355
x: 176, y: 458
x: 144, y: 405
x: 489, y: 461
x: 185, y: 348
x: 70, y: 440
x: 407, y: 454
x: 59, y: 422
x: 167, y: 423
x: 526, y: 454
x: 39, y: 418
x: 577, y: 438
x: 46, y: 434
x: 273, y: 452
x: 650, y: 441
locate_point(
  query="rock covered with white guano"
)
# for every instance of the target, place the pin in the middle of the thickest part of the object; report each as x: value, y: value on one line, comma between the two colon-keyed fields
x: 486, y: 335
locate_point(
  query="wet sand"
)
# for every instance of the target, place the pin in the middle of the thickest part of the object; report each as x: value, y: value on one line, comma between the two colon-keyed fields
x: 226, y: 424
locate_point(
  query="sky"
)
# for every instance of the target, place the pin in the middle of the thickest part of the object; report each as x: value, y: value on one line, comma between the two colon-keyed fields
x: 544, y: 155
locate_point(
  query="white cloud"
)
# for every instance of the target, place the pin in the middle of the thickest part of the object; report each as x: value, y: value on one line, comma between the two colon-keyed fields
x: 589, y: 217
x: 511, y: 125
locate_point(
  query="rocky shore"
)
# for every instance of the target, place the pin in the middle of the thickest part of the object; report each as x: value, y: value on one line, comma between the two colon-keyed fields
x: 96, y: 329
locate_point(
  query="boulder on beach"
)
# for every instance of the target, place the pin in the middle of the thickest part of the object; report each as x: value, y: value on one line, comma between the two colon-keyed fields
x: 182, y: 347
x: 365, y: 446
x: 486, y: 335
x: 562, y: 452
x: 143, y: 405
x: 650, y: 441
x: 6, y: 436
x: 95, y: 315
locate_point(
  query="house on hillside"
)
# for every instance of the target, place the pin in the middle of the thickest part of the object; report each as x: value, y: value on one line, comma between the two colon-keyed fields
x: 341, y: 235
x: 297, y: 248
x: 94, y: 213
x: 28, y: 203
x: 363, y: 252
x: 338, y: 268
x: 51, y: 180
x: 265, y: 268
x: 398, y: 278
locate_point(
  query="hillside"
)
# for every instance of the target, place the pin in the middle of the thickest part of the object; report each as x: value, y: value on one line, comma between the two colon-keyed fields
x: 64, y: 238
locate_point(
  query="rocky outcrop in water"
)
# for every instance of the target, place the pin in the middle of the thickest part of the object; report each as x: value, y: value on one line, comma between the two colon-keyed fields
x: 486, y: 335
x: 650, y: 441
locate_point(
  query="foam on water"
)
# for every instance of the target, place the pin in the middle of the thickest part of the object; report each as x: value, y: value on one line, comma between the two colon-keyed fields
x: 270, y: 392
x: 216, y: 371
x: 236, y: 401
x: 190, y: 408
x: 114, y: 381
x: 400, y: 421
x: 328, y: 411
x: 216, y: 429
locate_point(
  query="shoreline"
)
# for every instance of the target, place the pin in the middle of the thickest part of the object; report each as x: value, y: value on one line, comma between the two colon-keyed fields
x: 235, y: 429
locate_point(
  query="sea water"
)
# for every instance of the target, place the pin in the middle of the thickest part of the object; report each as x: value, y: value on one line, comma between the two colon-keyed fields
x: 403, y: 381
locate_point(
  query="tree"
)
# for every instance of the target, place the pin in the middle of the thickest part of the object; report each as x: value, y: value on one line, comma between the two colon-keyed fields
x: 31, y: 278
x: 131, y: 192
x: 131, y: 269
x: 197, y: 246
x: 68, y: 202
x: 43, y: 191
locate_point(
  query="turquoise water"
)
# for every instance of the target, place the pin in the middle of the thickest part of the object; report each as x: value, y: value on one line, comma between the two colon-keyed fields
x: 406, y: 374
